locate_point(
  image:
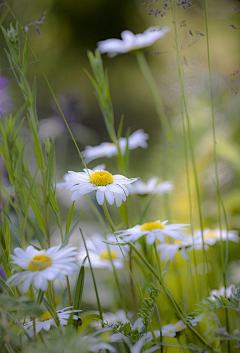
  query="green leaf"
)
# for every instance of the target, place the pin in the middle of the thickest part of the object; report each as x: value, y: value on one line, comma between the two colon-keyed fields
x: 69, y: 218
x: 72, y: 230
x: 14, y: 230
x: 77, y: 301
x: 50, y: 167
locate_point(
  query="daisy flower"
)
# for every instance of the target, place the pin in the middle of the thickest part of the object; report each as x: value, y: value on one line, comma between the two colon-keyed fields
x: 169, y: 250
x: 153, y: 230
x: 99, y: 253
x: 108, y: 149
x: 40, y: 266
x: 112, y: 187
x: 152, y: 187
x: 45, y: 321
x: 211, y: 236
x: 131, y: 42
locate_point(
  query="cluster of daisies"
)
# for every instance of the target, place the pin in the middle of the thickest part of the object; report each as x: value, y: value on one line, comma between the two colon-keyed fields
x: 38, y: 268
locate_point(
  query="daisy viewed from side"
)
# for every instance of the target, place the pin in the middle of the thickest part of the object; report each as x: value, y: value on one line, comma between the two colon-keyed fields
x: 211, y: 236
x: 45, y: 321
x: 153, y: 230
x: 222, y: 291
x: 40, y: 266
x: 99, y: 253
x: 113, y: 188
x: 131, y: 42
x: 108, y: 149
x: 152, y: 187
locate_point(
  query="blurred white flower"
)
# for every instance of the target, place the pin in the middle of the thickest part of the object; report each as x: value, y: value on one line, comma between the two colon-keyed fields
x: 41, y: 266
x: 99, y: 253
x: 212, y: 236
x: 108, y: 149
x: 153, y: 230
x: 45, y: 321
x: 168, y: 251
x: 222, y: 291
x: 131, y: 41
x: 151, y: 187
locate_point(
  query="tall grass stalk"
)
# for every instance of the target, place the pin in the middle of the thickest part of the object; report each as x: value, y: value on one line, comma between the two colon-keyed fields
x: 94, y: 280
x: 223, y: 261
x: 190, y: 138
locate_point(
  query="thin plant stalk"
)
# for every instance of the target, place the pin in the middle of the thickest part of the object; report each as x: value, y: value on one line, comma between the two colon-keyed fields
x: 143, y: 65
x: 223, y: 262
x: 190, y: 137
x: 172, y: 300
x: 94, y: 280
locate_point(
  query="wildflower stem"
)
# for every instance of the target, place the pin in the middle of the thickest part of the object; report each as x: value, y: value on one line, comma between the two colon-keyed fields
x: 190, y: 137
x: 93, y: 278
x: 143, y: 65
x: 172, y: 300
x: 114, y: 229
x: 69, y: 291
x: 223, y: 263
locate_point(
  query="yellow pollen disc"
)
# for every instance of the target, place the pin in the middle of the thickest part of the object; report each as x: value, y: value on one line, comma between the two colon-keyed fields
x: 104, y: 255
x: 45, y: 316
x: 102, y: 178
x: 178, y: 242
x: 178, y: 327
x: 39, y: 262
x: 211, y: 234
x: 151, y: 226
x: 170, y: 331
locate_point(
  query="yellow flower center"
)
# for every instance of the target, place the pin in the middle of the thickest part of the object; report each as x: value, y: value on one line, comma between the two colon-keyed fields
x: 151, y: 226
x: 170, y: 331
x: 104, y: 255
x: 102, y: 178
x: 178, y: 327
x: 211, y: 234
x: 179, y: 242
x: 39, y: 262
x: 45, y: 316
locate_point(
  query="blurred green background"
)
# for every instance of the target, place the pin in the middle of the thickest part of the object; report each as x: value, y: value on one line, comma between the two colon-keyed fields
x: 71, y: 28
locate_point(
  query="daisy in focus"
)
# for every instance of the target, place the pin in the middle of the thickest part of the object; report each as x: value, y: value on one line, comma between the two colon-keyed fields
x: 131, y: 42
x: 45, y: 321
x: 153, y: 230
x: 152, y: 187
x: 99, y: 252
x: 211, y: 236
x: 113, y: 188
x: 108, y: 149
x: 40, y: 266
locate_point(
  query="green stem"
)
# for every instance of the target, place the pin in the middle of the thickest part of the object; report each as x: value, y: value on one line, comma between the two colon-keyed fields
x: 190, y: 137
x: 172, y: 299
x: 223, y: 263
x: 143, y: 65
x: 94, y: 280
x: 114, y: 230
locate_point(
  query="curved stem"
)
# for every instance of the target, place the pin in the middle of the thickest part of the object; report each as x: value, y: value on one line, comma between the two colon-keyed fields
x: 143, y: 65
x: 172, y: 299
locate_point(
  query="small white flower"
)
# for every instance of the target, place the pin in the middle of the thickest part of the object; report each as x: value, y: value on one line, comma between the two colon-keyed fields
x: 153, y: 230
x: 151, y: 187
x: 131, y: 42
x: 45, y: 321
x: 99, y: 255
x: 211, y: 236
x: 112, y: 187
x: 222, y: 291
x: 41, y: 266
x: 108, y: 149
